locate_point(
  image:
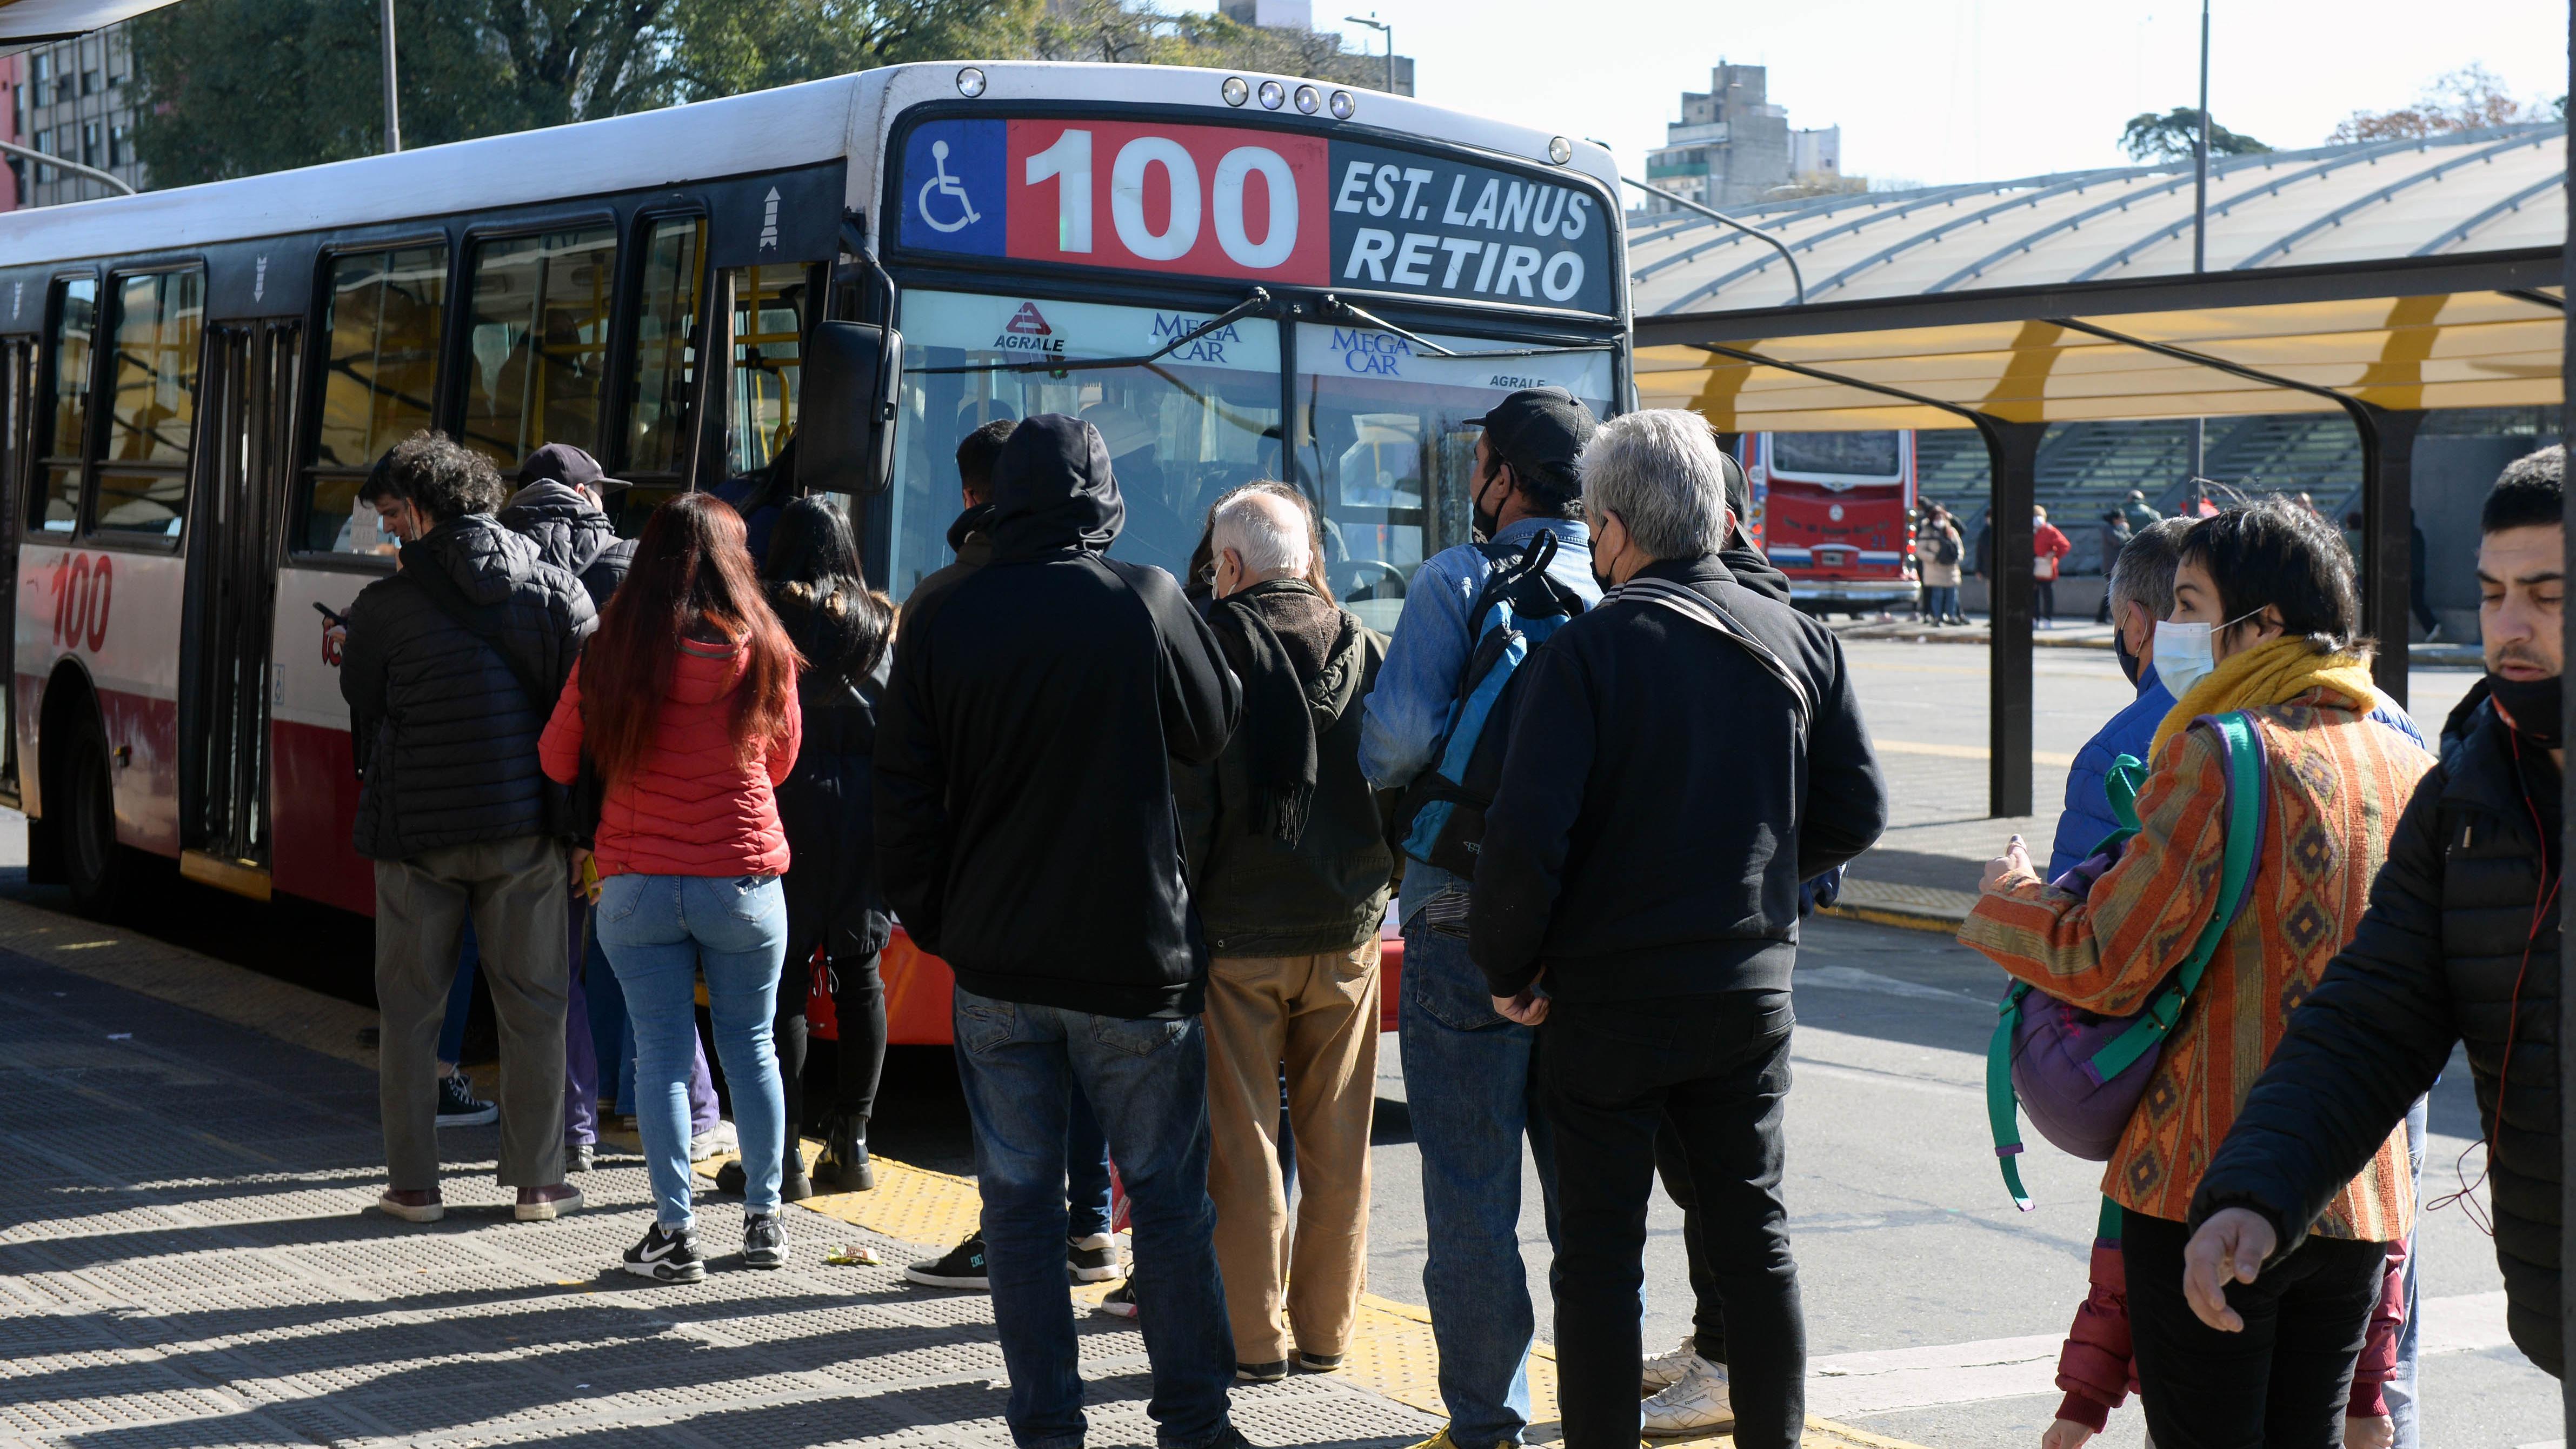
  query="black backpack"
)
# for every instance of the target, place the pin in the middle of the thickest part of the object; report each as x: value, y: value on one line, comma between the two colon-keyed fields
x: 1945, y: 549
x: 1442, y: 819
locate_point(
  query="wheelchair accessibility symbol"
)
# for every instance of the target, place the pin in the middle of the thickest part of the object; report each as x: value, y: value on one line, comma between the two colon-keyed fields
x: 948, y: 186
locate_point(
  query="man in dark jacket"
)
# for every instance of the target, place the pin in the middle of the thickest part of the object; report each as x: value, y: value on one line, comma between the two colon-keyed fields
x: 1026, y: 833
x: 1291, y: 865
x: 1685, y: 755
x: 561, y: 507
x: 2460, y: 944
x: 966, y: 536
x: 451, y: 669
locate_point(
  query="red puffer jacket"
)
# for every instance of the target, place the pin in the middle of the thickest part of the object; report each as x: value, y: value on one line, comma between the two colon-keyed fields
x: 698, y: 806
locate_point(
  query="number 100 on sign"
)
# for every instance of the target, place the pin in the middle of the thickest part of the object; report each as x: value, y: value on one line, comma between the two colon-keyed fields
x: 1255, y: 205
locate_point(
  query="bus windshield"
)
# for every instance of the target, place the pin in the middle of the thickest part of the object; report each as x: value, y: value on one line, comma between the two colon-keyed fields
x: 1181, y: 430
x: 1383, y: 443
x: 1836, y: 455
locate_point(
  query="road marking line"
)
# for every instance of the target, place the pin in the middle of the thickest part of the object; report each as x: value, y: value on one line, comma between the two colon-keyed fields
x: 1961, y: 752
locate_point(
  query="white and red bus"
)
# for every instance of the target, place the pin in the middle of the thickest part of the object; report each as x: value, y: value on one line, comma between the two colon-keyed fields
x: 1835, y: 512
x: 1233, y: 276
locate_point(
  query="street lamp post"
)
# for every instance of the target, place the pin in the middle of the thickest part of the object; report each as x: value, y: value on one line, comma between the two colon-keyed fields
x: 1388, y: 31
x: 393, y: 106
x: 2199, y: 156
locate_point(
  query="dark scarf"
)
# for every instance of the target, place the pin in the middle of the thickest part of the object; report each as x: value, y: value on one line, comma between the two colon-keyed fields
x: 1278, y: 725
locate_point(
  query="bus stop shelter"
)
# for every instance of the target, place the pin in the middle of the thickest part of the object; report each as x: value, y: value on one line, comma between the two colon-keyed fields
x: 2384, y: 342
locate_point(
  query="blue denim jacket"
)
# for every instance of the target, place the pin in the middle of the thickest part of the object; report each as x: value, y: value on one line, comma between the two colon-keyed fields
x: 1406, y: 714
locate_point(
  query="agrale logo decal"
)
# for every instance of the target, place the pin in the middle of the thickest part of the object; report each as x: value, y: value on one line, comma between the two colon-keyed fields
x: 1027, y: 331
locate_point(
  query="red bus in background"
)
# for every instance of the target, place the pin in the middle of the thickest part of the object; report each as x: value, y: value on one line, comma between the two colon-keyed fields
x: 1835, y: 512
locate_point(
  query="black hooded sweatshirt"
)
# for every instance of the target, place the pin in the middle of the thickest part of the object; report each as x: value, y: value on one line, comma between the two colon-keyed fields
x: 571, y: 534
x: 1025, y: 746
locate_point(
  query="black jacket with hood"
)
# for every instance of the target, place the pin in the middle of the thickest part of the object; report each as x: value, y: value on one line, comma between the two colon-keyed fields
x: 2455, y: 947
x: 1328, y: 891
x: 1659, y: 805
x: 1025, y: 748
x: 973, y: 547
x: 827, y: 802
x: 572, y: 535
x: 445, y: 734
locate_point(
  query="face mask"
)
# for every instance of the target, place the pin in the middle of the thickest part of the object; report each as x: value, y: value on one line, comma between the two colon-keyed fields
x: 1484, y: 523
x: 2128, y: 661
x: 2530, y: 707
x: 2183, y: 652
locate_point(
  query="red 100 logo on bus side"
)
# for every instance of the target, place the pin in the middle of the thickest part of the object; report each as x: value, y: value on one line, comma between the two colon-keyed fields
x: 83, y: 589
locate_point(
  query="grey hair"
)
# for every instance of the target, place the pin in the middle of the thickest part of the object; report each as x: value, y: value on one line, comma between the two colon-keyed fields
x: 2144, y: 572
x: 1661, y: 472
x: 1269, y: 532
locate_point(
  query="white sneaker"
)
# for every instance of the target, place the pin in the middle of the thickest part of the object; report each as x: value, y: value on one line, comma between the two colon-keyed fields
x: 1695, y: 1401
x: 716, y: 1141
x: 1670, y: 1367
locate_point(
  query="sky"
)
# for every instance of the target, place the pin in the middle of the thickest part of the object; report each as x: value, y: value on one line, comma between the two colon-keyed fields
x: 1938, y: 91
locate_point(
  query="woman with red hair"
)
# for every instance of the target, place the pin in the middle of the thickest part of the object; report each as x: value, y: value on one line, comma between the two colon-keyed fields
x: 685, y: 705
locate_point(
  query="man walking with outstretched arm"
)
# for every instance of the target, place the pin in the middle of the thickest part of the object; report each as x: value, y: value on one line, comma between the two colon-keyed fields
x: 1027, y: 834
x: 1683, y: 756
x: 1467, y: 1067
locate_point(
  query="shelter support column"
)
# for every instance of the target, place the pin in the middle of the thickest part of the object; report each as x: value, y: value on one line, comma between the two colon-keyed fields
x: 2012, y: 458
x: 2387, y: 533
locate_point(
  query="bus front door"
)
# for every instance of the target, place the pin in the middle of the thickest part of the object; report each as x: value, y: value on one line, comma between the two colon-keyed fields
x: 17, y: 434
x: 244, y: 463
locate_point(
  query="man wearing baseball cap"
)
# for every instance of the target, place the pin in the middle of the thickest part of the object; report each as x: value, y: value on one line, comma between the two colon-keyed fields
x: 1468, y: 1066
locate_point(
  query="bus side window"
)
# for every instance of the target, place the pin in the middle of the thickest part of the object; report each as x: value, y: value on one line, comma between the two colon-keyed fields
x: 666, y: 349
x: 537, y: 348
x: 152, y: 403
x: 381, y: 326
x: 768, y: 340
x: 57, y: 502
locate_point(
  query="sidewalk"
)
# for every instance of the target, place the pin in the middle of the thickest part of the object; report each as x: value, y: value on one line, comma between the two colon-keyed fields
x: 188, y: 1257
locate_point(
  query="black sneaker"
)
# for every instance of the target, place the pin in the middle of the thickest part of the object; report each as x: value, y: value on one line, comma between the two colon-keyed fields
x: 764, y: 1241
x: 962, y: 1268
x: 1262, y: 1373
x: 1319, y: 1363
x: 1093, y: 1259
x: 1121, y: 1302
x: 792, y: 1187
x: 459, y: 1107
x: 667, y: 1256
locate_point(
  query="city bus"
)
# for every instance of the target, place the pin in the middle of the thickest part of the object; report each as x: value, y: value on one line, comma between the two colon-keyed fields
x: 1232, y: 275
x: 1835, y: 512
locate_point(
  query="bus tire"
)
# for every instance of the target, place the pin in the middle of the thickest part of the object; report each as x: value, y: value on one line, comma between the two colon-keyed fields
x: 95, y: 867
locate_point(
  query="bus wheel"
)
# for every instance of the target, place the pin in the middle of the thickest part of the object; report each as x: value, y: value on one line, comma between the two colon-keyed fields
x: 94, y: 866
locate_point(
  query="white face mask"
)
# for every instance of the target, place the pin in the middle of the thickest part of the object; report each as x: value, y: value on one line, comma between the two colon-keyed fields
x: 2183, y: 651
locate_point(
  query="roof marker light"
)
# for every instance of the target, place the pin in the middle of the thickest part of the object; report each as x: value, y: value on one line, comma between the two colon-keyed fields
x: 1343, y: 105
x: 970, y: 82
x: 1273, y: 94
x: 1235, y: 91
x: 1560, y: 150
x: 1309, y: 99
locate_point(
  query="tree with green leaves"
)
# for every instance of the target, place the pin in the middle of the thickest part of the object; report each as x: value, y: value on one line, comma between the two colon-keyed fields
x: 238, y: 87
x: 2175, y: 135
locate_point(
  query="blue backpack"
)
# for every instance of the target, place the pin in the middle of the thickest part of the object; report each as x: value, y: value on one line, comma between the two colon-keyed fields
x: 1442, y: 819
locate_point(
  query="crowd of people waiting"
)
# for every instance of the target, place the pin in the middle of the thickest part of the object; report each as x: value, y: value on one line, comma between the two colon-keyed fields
x: 1152, y: 824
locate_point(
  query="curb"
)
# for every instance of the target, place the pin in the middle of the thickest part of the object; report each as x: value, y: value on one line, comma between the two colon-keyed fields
x: 1902, y: 917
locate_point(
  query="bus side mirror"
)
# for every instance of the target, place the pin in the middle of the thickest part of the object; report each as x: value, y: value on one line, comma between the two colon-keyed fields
x: 845, y: 440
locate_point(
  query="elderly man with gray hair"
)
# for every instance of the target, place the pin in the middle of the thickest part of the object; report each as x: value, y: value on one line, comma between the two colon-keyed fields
x: 1684, y: 755
x: 1291, y: 871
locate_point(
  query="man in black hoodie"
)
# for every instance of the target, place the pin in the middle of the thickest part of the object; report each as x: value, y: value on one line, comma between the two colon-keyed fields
x: 1027, y: 834
x: 1685, y: 755
x: 561, y: 507
x: 966, y: 537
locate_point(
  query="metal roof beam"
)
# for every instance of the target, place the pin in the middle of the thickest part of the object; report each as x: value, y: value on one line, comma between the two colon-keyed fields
x: 2512, y: 203
x: 1885, y: 254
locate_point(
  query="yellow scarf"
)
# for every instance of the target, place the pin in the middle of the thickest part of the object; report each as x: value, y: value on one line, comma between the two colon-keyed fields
x: 2274, y: 672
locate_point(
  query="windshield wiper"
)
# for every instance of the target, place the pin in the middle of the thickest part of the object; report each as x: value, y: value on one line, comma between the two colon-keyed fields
x: 1257, y: 300
x: 1334, y: 308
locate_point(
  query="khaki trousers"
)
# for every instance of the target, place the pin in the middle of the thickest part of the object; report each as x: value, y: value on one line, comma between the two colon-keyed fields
x: 1318, y: 1015
x: 514, y: 889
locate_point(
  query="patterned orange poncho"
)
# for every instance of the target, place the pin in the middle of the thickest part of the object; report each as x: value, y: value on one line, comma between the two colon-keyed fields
x: 2338, y: 783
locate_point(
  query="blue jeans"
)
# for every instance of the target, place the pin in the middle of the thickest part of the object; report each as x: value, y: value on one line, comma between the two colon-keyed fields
x: 1470, y: 1083
x: 2405, y: 1402
x: 1148, y: 1082
x: 1940, y: 601
x: 661, y: 931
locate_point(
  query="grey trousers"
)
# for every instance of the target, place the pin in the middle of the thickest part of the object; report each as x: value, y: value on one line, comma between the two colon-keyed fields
x: 514, y: 890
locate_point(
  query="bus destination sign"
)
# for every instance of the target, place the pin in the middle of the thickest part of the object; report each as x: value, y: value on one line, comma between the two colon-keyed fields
x: 1263, y: 206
